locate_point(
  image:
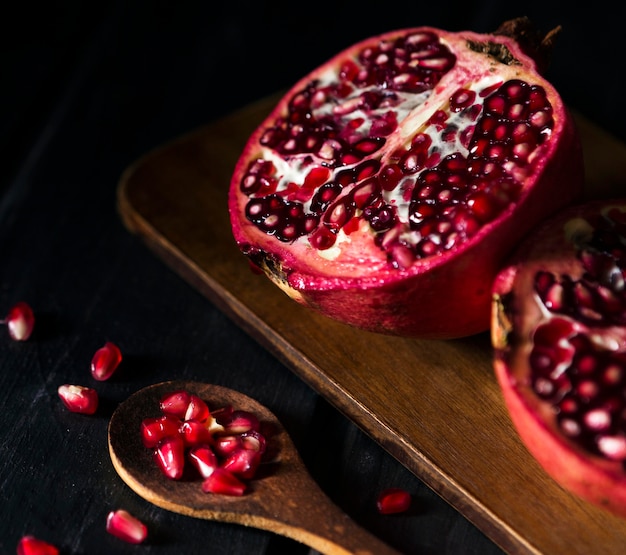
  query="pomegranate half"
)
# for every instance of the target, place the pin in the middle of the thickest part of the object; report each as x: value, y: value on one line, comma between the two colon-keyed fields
x: 559, y: 338
x: 388, y: 184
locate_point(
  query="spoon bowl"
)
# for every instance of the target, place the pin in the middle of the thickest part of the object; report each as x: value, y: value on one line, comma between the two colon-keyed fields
x: 283, y: 498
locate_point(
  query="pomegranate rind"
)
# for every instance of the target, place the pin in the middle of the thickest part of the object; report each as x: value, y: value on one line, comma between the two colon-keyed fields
x: 442, y: 296
x: 516, y: 314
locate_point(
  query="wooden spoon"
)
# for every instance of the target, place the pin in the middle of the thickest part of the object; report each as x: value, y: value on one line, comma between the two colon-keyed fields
x: 283, y: 498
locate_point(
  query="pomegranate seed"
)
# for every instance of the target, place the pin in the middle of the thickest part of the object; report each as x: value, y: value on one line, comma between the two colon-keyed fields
x: 154, y: 430
x: 170, y: 456
x: 203, y: 459
x: 226, y: 445
x: 29, y: 545
x: 126, y: 527
x: 239, y: 421
x: 20, y: 321
x: 254, y: 441
x: 197, y: 409
x: 393, y: 500
x: 195, y: 432
x: 224, y: 482
x: 243, y: 463
x: 105, y: 361
x: 175, y: 403
x: 78, y: 398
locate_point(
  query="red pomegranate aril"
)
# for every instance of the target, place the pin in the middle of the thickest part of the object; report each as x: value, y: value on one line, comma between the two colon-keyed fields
x: 78, y: 398
x: 175, y: 403
x: 169, y: 455
x: 30, y: 545
x: 203, y: 459
x: 105, y: 361
x: 154, y: 429
x: 393, y: 500
x: 126, y: 527
x: 20, y: 321
x: 239, y: 421
x: 197, y: 409
x: 253, y: 440
x: 226, y: 444
x: 195, y: 432
x: 243, y: 463
x: 224, y: 482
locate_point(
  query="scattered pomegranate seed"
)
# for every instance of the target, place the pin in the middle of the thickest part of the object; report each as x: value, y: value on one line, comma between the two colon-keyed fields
x: 20, y: 321
x: 105, y: 361
x: 126, y: 527
x: 30, y: 545
x: 224, y: 482
x: 393, y: 500
x: 78, y: 398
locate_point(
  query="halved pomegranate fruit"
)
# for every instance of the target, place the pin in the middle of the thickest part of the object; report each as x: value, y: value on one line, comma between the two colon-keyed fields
x: 388, y: 184
x: 559, y: 334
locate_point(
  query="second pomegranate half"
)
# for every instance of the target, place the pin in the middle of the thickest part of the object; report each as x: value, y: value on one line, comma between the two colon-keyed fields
x: 387, y: 186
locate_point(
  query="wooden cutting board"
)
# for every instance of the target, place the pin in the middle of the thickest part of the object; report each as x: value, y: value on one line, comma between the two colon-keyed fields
x: 434, y: 405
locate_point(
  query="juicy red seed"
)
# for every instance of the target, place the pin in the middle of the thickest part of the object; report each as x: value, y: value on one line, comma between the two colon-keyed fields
x: 243, y: 463
x: 78, y: 398
x: 20, y: 321
x: 155, y: 429
x: 393, y: 500
x: 203, y: 459
x: 254, y: 441
x: 175, y: 403
x: 195, y: 432
x: 170, y: 456
x: 30, y: 545
x: 461, y: 99
x: 105, y: 361
x: 239, y: 421
x: 224, y: 482
x: 227, y: 444
x: 197, y: 409
x: 322, y: 238
x: 126, y: 527
x: 316, y: 177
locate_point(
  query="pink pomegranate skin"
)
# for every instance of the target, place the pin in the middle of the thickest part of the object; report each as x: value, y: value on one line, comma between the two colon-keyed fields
x: 560, y: 352
x: 427, y: 272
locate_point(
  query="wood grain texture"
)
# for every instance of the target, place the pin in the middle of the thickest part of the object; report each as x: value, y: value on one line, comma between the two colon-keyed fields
x: 282, y: 498
x: 434, y: 405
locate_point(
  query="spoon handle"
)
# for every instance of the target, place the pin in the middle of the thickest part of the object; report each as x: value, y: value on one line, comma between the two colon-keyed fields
x: 313, y: 519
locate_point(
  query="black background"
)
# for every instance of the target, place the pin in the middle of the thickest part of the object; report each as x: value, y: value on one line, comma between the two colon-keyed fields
x: 87, y: 88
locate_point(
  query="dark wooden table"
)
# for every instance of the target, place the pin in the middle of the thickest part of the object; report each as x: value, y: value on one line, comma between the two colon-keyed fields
x: 87, y: 90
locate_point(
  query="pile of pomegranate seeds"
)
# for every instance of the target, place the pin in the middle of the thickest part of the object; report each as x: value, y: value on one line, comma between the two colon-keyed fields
x: 393, y: 500
x: 223, y: 447
x: 126, y: 527
x: 30, y: 545
x: 20, y: 321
